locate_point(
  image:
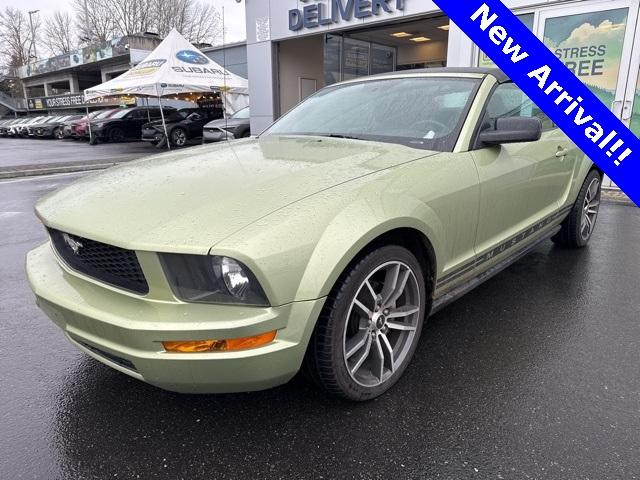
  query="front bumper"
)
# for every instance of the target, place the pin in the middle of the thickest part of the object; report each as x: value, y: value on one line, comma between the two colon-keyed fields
x: 215, y: 135
x: 152, y: 135
x: 43, y: 132
x: 124, y: 331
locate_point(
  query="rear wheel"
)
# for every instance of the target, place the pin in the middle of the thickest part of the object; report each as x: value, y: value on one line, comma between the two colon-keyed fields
x: 578, y: 227
x: 370, y: 325
x: 58, y: 133
x: 179, y: 137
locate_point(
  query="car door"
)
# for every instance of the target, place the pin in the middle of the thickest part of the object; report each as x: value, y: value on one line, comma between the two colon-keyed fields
x: 195, y: 123
x: 522, y: 184
x: 135, y: 120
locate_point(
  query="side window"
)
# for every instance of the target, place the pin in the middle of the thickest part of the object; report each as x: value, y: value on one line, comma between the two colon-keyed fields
x: 138, y: 114
x: 509, y: 101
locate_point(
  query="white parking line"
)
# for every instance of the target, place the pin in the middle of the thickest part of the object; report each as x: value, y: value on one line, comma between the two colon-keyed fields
x: 42, y: 177
x: 4, y: 215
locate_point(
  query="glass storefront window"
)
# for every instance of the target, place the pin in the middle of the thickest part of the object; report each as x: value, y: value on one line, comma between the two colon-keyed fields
x: 383, y: 59
x: 635, y: 117
x: 332, y: 57
x: 590, y: 45
x: 527, y: 19
x: 355, y: 59
x: 347, y: 58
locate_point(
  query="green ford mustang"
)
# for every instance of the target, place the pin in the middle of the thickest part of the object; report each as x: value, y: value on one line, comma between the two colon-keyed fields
x: 325, y: 242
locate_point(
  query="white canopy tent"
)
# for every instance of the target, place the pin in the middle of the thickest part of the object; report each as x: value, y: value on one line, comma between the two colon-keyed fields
x: 176, y: 67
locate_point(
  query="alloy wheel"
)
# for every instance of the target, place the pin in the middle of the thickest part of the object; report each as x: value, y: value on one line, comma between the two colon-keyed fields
x: 381, y: 323
x: 590, y: 208
x: 179, y: 137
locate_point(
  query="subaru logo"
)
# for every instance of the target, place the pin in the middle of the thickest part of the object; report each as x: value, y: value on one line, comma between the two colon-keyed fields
x: 190, y: 56
x: 74, y: 245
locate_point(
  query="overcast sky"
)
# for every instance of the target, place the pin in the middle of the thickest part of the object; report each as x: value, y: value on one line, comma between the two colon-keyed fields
x: 234, y: 12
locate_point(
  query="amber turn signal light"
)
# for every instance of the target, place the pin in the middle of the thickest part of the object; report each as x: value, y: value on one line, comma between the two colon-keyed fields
x: 228, y: 345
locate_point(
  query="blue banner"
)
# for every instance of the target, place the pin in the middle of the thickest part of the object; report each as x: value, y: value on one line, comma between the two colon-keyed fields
x: 552, y: 86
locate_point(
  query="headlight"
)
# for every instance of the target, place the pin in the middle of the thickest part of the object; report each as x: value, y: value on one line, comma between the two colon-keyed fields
x: 212, y: 279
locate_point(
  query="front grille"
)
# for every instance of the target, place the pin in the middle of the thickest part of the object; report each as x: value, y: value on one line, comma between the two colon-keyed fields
x: 113, y: 265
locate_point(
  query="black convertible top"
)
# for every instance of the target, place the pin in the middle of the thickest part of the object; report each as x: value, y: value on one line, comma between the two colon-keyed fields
x: 498, y: 74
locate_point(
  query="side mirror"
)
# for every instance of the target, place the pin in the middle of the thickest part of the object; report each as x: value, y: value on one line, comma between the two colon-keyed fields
x: 513, y: 130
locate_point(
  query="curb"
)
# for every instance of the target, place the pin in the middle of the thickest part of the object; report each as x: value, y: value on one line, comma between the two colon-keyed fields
x: 52, y: 170
x: 613, y: 196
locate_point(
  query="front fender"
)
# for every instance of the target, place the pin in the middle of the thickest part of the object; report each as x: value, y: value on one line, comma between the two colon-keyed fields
x: 298, y: 252
x: 354, y: 228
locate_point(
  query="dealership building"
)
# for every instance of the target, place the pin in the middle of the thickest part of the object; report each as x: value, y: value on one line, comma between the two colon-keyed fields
x: 296, y: 47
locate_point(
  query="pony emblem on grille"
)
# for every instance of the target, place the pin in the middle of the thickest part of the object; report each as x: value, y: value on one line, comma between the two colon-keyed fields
x: 74, y: 245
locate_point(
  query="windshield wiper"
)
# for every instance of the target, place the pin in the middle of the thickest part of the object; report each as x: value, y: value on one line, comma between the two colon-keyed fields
x: 337, y: 135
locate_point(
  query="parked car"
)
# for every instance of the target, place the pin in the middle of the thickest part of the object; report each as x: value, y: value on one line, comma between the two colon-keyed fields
x: 125, y: 124
x: 182, y: 125
x: 325, y: 241
x: 82, y: 129
x: 236, y: 126
x: 4, y: 127
x: 53, y: 128
x: 20, y: 129
x: 50, y: 120
x: 69, y: 127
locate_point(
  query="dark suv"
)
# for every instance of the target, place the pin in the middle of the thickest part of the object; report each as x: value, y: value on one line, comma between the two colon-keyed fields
x: 125, y: 124
x: 182, y: 126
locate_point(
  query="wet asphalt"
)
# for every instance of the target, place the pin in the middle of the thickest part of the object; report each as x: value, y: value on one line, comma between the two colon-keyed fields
x: 32, y: 153
x: 533, y: 375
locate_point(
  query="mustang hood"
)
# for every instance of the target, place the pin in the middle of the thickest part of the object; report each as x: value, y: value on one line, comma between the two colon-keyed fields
x: 189, y: 200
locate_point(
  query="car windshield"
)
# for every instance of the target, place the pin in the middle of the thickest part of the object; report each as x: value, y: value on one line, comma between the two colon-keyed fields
x: 420, y: 112
x: 178, y: 115
x: 244, y: 113
x: 120, y: 113
x: 105, y: 114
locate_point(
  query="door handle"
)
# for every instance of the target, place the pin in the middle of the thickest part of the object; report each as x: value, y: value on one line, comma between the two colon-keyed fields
x: 614, y: 109
x: 627, y: 110
x: 562, y: 152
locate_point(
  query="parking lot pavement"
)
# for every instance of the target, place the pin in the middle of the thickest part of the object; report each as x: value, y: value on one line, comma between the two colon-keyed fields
x: 30, y: 154
x: 535, y: 374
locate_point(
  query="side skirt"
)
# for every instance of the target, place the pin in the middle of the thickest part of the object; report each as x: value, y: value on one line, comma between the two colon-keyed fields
x: 449, y: 297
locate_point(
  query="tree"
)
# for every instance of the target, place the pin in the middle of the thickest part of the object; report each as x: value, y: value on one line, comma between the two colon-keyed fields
x: 99, y: 20
x: 94, y: 20
x: 204, y: 25
x: 197, y: 21
x: 133, y: 16
x: 16, y: 37
x: 58, y: 30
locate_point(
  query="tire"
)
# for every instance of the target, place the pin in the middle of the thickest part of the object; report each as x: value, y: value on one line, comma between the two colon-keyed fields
x: 343, y: 354
x: 246, y: 134
x: 179, y: 137
x: 578, y: 227
x: 116, y: 135
x: 58, y: 134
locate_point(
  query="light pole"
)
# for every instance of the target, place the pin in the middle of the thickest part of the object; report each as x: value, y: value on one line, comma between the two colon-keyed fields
x: 33, y: 34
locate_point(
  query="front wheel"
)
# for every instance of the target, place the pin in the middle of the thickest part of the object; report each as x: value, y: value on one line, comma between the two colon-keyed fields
x: 179, y: 137
x: 578, y: 227
x: 116, y: 135
x: 370, y: 325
